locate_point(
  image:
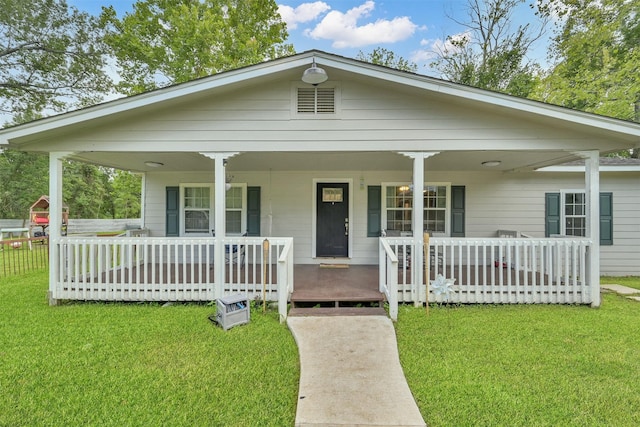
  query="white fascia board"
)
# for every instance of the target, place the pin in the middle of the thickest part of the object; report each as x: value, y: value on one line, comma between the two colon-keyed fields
x: 630, y: 168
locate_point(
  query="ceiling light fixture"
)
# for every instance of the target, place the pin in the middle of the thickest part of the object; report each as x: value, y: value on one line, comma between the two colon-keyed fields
x: 314, y: 75
x: 153, y: 164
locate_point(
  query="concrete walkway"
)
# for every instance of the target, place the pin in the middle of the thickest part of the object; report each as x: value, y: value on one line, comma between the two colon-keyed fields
x: 630, y: 293
x: 351, y: 374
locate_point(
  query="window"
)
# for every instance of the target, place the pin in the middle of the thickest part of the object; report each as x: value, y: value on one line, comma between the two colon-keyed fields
x: 236, y: 209
x: 198, y: 212
x: 197, y: 209
x: 575, y: 218
x: 398, y: 208
x: 566, y: 214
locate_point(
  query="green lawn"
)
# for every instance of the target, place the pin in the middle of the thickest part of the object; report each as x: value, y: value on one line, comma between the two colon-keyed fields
x: 143, y: 364
x: 524, y: 365
x: 139, y: 364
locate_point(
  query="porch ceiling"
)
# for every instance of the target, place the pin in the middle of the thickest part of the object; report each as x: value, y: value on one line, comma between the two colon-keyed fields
x: 296, y: 161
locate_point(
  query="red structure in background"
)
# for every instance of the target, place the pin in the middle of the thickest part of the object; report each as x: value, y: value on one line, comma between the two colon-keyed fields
x: 39, y: 217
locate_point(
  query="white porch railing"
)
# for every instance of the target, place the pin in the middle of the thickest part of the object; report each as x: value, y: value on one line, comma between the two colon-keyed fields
x: 285, y: 278
x: 388, y: 271
x: 499, y: 270
x: 167, y: 269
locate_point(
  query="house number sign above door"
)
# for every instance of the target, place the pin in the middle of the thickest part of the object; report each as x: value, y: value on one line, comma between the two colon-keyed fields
x: 332, y: 195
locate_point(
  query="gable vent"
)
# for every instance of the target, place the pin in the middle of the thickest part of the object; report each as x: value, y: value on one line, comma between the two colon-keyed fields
x: 316, y: 100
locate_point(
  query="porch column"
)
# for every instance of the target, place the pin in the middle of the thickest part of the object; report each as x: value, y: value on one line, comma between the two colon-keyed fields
x: 55, y: 221
x: 220, y: 161
x: 417, y: 226
x: 592, y: 190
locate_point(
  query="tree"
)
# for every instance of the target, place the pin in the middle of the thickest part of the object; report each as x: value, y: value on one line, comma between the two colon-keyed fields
x: 382, y: 56
x: 126, y: 194
x: 51, y: 58
x: 86, y: 191
x: 596, y: 52
x: 489, y: 54
x: 24, y: 178
x: 164, y: 42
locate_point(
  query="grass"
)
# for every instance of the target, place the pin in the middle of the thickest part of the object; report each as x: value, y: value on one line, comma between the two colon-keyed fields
x: 139, y: 364
x: 522, y: 365
x: 144, y: 364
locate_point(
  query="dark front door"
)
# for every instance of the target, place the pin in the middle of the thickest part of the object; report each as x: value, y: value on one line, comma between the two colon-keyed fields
x: 332, y: 221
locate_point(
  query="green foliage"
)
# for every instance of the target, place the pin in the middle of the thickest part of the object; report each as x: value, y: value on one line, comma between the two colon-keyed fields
x: 489, y: 54
x: 139, y: 364
x: 533, y: 365
x: 163, y: 42
x: 387, y: 58
x: 89, y: 191
x: 596, y: 58
x: 24, y: 178
x: 51, y: 58
x: 86, y: 190
x: 126, y: 194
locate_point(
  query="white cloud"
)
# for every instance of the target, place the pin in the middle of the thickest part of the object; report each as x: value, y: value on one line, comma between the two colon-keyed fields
x: 343, y: 28
x: 437, y: 47
x: 304, y: 13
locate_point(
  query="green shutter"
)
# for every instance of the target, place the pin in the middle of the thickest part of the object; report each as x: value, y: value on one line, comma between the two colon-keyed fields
x: 253, y: 211
x: 172, y: 212
x: 457, y: 211
x: 551, y: 214
x: 374, y: 210
x: 606, y: 218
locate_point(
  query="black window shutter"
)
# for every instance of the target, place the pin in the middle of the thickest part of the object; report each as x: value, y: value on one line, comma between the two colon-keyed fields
x: 374, y: 210
x: 606, y: 218
x: 551, y: 214
x: 172, y: 212
x: 457, y: 211
x: 253, y: 211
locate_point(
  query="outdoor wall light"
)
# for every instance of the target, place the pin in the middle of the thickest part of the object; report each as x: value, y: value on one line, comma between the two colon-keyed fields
x: 491, y: 163
x: 153, y: 164
x: 314, y: 75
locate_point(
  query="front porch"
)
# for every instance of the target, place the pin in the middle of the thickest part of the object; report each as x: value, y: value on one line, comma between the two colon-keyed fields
x: 489, y: 271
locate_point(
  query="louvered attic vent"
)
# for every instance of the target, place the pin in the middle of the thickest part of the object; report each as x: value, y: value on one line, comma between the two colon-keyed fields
x: 316, y: 100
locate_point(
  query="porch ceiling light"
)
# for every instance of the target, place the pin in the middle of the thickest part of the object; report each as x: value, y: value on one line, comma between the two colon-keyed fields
x: 491, y: 163
x: 314, y: 75
x: 153, y: 164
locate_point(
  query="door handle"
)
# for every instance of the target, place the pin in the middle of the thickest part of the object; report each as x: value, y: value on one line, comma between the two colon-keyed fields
x: 346, y: 226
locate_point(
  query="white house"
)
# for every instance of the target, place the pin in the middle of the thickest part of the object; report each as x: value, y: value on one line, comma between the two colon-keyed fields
x: 321, y: 172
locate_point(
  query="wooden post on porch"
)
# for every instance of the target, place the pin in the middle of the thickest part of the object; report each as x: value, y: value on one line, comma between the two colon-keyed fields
x: 427, y: 265
x: 265, y: 270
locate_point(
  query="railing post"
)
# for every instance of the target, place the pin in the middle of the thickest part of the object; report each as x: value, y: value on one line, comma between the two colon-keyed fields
x: 392, y: 284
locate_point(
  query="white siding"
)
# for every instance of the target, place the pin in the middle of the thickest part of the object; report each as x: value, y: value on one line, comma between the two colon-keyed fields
x: 256, y: 117
x: 513, y: 201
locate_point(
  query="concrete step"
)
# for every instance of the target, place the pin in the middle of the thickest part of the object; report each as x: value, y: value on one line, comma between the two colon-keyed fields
x: 336, y: 311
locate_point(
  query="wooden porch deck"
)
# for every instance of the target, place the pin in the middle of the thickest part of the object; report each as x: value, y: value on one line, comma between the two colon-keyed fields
x: 324, y: 290
x: 315, y: 282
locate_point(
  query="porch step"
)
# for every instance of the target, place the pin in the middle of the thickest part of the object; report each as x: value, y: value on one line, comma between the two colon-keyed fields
x: 333, y: 311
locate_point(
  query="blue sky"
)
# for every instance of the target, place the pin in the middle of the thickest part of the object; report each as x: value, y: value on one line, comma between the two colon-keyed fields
x: 413, y: 29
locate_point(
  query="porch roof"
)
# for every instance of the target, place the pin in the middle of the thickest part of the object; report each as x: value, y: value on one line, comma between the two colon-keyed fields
x: 461, y: 149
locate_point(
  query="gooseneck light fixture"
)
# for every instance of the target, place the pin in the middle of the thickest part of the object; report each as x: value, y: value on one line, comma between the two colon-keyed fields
x: 314, y: 75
